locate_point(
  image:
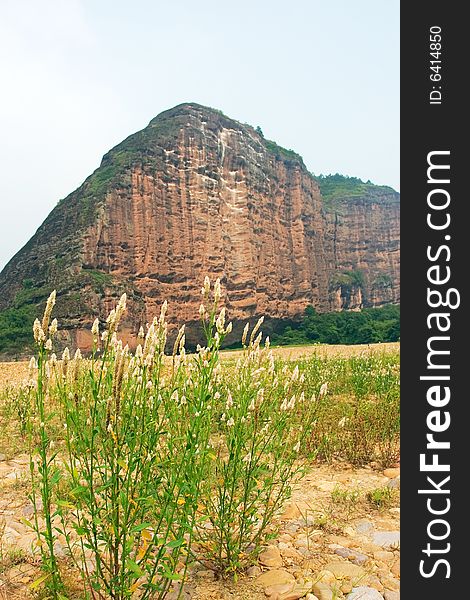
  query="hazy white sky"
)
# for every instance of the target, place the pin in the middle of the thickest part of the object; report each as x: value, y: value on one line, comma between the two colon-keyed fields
x: 78, y: 76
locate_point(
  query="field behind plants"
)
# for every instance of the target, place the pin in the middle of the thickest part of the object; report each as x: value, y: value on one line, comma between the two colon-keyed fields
x: 241, y: 474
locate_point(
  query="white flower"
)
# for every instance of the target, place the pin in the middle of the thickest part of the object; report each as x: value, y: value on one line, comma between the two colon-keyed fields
x: 229, y: 403
x: 245, y: 333
x: 291, y: 403
x: 220, y: 321
x: 95, y: 328
x: 206, y: 287
x: 296, y: 448
x: 230, y: 422
x: 53, y: 328
x: 48, y: 310
x: 38, y: 332
x: 48, y: 344
x: 323, y: 390
x: 217, y: 292
x: 163, y: 312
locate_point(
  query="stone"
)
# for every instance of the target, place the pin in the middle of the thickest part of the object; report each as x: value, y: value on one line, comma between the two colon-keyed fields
x: 291, y: 554
x: 310, y: 596
x: 387, y: 539
x: 22, y: 573
x: 326, y: 576
x: 355, y: 557
x: 374, y: 582
x: 394, y: 483
x: 391, y: 595
x: 384, y: 556
x: 365, y: 593
x: 279, y: 588
x: 292, y: 527
x: 2, y: 457
x: 396, y: 568
x: 299, y: 591
x: 291, y: 511
x: 302, y: 542
x: 28, y: 510
x: 60, y: 551
x: 205, y: 574
x: 340, y: 540
x: 274, y: 577
x: 271, y: 557
x: 343, y: 570
x: 346, y: 587
x: 392, y: 473
x: 322, y: 591
x: 364, y: 527
x: 391, y: 583
x: 253, y: 571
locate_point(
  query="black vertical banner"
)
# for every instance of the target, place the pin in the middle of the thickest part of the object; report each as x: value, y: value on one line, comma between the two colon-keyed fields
x: 435, y: 236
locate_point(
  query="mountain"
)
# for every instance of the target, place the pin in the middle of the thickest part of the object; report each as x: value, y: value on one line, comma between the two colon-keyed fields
x: 196, y: 193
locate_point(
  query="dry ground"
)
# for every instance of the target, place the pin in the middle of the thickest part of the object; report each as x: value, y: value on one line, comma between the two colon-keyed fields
x: 331, y: 538
x: 12, y: 373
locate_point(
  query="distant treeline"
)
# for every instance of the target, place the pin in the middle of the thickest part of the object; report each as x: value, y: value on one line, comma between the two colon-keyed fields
x: 368, y: 326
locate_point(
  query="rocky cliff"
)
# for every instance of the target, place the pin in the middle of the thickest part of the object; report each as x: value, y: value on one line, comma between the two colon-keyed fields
x: 193, y: 194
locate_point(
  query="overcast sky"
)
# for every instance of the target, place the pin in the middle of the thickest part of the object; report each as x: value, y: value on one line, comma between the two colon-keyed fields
x: 78, y: 76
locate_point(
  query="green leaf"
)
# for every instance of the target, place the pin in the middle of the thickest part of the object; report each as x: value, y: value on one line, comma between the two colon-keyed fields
x: 140, y: 527
x: 38, y: 581
x: 122, y: 463
x: 172, y: 576
x: 134, y: 567
x: 65, y: 504
x: 27, y: 523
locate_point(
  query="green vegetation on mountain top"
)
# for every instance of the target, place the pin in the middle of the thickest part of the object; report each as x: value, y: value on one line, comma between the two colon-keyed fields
x: 337, y: 186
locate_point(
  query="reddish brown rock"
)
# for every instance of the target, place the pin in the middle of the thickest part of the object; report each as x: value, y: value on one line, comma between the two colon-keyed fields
x: 193, y: 194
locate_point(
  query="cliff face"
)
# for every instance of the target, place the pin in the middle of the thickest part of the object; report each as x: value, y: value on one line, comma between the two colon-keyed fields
x: 363, y: 232
x: 193, y: 194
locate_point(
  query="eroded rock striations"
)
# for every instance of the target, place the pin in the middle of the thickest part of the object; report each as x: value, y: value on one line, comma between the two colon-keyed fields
x: 193, y: 194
